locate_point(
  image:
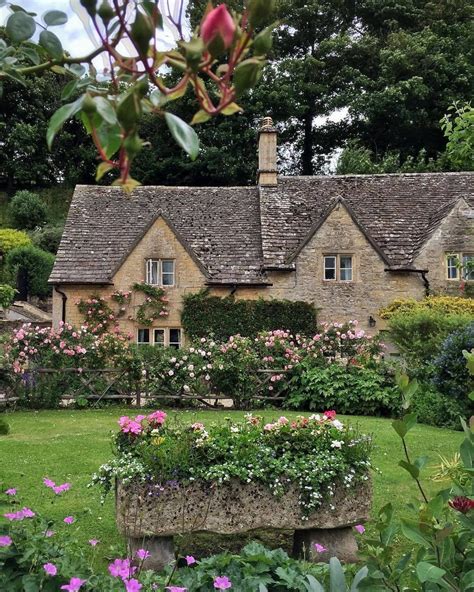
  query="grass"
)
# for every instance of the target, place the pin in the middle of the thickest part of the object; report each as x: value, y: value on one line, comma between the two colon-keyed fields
x: 69, y: 445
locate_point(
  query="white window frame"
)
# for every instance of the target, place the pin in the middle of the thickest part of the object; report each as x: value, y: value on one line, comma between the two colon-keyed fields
x: 166, y: 332
x: 150, y: 263
x: 337, y: 269
x: 451, y: 256
x: 468, y: 275
x: 461, y: 273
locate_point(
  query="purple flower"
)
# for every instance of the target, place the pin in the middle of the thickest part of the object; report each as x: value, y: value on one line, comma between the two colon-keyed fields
x: 190, y: 560
x: 58, y: 489
x: 74, y: 585
x: 176, y: 589
x: 5, y: 541
x: 132, y: 585
x: 69, y: 519
x: 50, y: 569
x: 49, y: 483
x: 93, y: 542
x: 222, y: 583
x: 360, y: 529
x: 143, y: 554
x: 27, y: 513
x: 319, y: 548
x: 11, y: 491
x: 49, y: 533
x: 121, y: 568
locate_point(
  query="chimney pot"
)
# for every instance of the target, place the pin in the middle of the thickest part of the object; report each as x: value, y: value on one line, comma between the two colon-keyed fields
x: 267, y: 153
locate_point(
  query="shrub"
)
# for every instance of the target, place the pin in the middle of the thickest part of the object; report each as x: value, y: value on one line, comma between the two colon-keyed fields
x: 205, y: 315
x: 4, y: 427
x: 348, y: 388
x: 11, y: 239
x: 7, y: 295
x: 48, y: 238
x: 451, y: 375
x: 27, y: 210
x: 443, y: 304
x: 33, y: 267
x: 436, y: 409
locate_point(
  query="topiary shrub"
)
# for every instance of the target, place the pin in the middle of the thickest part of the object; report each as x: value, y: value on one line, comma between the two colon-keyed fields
x: 33, y: 268
x: 27, y: 210
x: 451, y: 376
x: 48, y: 238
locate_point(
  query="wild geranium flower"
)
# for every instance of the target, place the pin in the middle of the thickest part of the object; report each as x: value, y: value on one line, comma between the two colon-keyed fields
x: 218, y: 23
x: 49, y: 533
x: 93, y: 542
x: 176, y: 589
x: 5, y: 541
x: 58, y: 489
x: 49, y: 483
x: 190, y: 560
x: 121, y: 568
x: 20, y: 515
x: 132, y: 585
x: 11, y: 491
x: 74, y: 585
x: 319, y: 548
x: 360, y: 529
x: 462, y: 504
x: 69, y: 519
x: 50, y: 569
x: 143, y: 554
x: 222, y: 583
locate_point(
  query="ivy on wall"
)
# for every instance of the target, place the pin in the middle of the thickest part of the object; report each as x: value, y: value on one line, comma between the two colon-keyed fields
x: 222, y: 317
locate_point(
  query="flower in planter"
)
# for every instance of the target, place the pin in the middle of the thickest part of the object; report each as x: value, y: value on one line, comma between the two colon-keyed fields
x: 5, y: 541
x: 50, y: 569
x: 222, y: 583
x: 143, y: 554
x: 319, y: 548
x: 74, y: 585
x: 121, y: 568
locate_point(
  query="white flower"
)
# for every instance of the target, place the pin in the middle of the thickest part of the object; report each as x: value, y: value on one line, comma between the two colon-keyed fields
x: 173, y: 360
x: 315, y: 417
x: 337, y: 443
x: 171, y: 372
x: 186, y: 388
x: 234, y: 429
x: 337, y: 424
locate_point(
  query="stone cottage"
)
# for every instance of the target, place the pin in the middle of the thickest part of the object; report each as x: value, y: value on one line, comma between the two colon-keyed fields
x: 349, y: 244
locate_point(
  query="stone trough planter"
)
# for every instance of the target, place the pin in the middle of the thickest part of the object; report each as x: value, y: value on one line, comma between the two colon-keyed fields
x: 150, y: 516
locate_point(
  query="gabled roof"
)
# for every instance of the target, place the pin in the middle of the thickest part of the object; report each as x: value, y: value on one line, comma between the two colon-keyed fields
x: 236, y: 233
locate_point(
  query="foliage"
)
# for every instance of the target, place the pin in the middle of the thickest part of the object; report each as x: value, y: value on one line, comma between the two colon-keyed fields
x: 351, y: 389
x: 442, y: 304
x: 4, y: 427
x: 437, y: 409
x: 451, y: 376
x: 317, y: 454
x: 222, y: 317
x: 48, y: 238
x: 440, y: 528
x: 111, y: 109
x: 458, y: 127
x: 12, y: 239
x: 154, y: 305
x: 33, y: 267
x: 7, y: 296
x: 27, y: 211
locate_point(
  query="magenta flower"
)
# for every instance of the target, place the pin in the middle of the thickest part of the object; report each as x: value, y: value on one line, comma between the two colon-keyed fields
x: 319, y: 548
x: 69, y: 519
x: 360, y: 529
x: 190, y: 560
x: 49, y: 533
x: 157, y: 417
x: 143, y: 554
x: 132, y: 585
x: 121, y: 568
x: 176, y: 589
x: 49, y: 483
x: 218, y: 23
x: 93, y: 542
x: 5, y: 541
x: 50, y: 569
x: 58, y: 489
x: 222, y: 583
x: 11, y: 491
x: 74, y: 585
x: 27, y: 513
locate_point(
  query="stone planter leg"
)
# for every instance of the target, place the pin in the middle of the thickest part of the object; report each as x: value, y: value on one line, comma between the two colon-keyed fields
x: 339, y: 542
x: 161, y: 551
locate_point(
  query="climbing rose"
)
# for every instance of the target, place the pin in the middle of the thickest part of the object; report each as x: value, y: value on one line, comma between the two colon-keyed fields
x: 5, y: 541
x: 50, y: 569
x: 74, y: 585
x: 462, y: 504
x: 218, y: 23
x: 222, y: 583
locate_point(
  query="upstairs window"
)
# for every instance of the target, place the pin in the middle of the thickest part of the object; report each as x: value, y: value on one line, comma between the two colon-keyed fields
x: 468, y: 266
x: 338, y: 268
x: 460, y: 266
x: 452, y: 266
x: 160, y: 272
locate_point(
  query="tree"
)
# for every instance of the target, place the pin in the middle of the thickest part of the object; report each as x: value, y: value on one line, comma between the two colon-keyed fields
x: 458, y: 127
x: 48, y: 238
x: 32, y: 268
x: 27, y: 210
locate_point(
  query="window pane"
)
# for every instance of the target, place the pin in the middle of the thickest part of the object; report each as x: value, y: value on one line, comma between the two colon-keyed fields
x: 152, y: 272
x: 468, y: 267
x: 175, y: 338
x: 346, y: 268
x: 143, y: 336
x: 167, y: 272
x: 330, y: 268
x: 452, y: 261
x: 159, y: 337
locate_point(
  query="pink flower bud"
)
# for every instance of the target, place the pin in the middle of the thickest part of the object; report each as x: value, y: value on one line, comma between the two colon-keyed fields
x: 218, y: 23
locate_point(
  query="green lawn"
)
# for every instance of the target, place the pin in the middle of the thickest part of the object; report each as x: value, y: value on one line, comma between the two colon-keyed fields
x: 70, y: 445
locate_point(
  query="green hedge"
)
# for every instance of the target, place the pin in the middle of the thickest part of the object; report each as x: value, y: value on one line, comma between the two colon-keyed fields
x: 222, y: 317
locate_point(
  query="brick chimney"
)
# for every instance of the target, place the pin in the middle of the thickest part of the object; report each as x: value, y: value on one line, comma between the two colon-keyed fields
x: 267, y: 153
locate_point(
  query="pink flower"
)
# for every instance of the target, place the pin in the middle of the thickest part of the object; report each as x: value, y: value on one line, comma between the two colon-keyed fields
x: 121, y: 568
x: 268, y: 427
x: 58, y: 489
x: 49, y: 483
x: 330, y: 414
x: 283, y: 420
x: 319, y: 548
x: 222, y: 583
x: 5, y: 541
x: 50, y: 569
x: 190, y: 560
x: 175, y: 589
x: 74, y: 585
x: 93, y: 542
x: 27, y: 513
x: 132, y: 585
x: 157, y: 417
x: 360, y: 529
x: 11, y: 491
x: 69, y: 519
x: 49, y: 533
x: 218, y: 23
x: 143, y: 554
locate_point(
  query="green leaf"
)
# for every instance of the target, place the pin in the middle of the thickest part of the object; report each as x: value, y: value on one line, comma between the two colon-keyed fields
x: 69, y: 89
x: 60, y: 117
x: 183, y: 134
x: 105, y: 110
x: 467, y: 453
x: 104, y: 167
x: 75, y: 69
x: 412, y: 532
x: 200, y: 117
x: 336, y: 573
x: 360, y: 575
x: 247, y: 74
x: 404, y: 425
x: 412, y: 469
x: 14, y: 75
x: 53, y: 18
x: 20, y: 26
x: 467, y: 580
x: 263, y: 42
x: 31, y: 54
x: 313, y: 585
x: 231, y: 109
x: 51, y: 43
x: 429, y: 573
